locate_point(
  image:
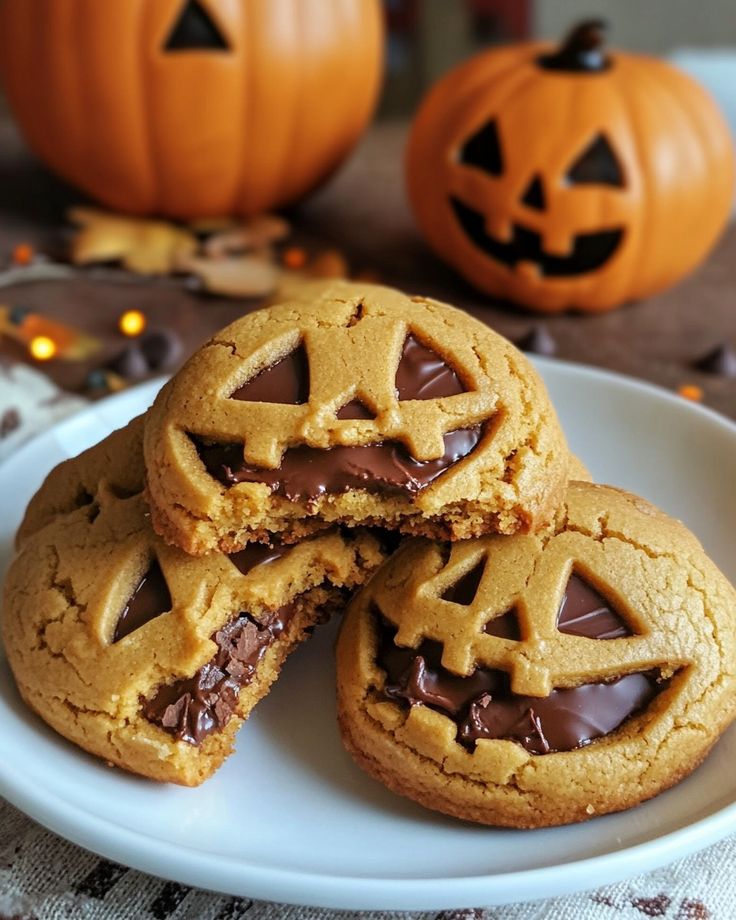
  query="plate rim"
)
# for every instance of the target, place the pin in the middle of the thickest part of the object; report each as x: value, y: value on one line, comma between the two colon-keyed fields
x: 231, y: 876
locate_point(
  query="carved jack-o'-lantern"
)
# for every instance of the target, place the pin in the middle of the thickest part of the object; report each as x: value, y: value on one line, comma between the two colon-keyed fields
x: 191, y: 108
x: 533, y: 680
x: 570, y: 178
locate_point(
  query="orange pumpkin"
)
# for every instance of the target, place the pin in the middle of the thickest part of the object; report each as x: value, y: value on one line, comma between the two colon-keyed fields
x: 192, y: 108
x: 566, y: 177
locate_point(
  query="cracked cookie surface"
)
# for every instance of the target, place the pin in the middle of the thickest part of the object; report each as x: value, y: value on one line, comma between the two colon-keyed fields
x: 541, y: 679
x: 359, y: 406
x: 138, y: 653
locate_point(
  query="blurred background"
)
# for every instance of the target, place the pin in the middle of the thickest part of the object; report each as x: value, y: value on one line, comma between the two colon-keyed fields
x: 428, y: 37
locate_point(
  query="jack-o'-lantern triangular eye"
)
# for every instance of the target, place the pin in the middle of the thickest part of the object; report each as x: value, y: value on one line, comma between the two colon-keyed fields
x: 585, y: 612
x: 355, y: 409
x: 597, y: 165
x: 195, y: 30
x: 423, y: 374
x: 483, y: 149
x: 150, y: 598
x: 285, y: 382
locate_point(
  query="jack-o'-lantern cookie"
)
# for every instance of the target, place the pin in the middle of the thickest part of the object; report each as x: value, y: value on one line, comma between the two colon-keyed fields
x: 541, y: 679
x: 362, y: 406
x: 141, y: 654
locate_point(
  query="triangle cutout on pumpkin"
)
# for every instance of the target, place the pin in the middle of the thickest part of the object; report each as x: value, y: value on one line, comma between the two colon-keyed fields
x: 356, y: 408
x: 597, y: 164
x: 585, y: 612
x: 466, y: 587
x: 195, y: 31
x: 423, y: 374
x: 149, y: 599
x: 483, y: 150
x: 504, y: 627
x: 286, y: 382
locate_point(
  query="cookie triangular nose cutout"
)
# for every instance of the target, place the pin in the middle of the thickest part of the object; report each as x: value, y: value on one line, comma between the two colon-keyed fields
x: 150, y: 599
x: 287, y: 381
x: 356, y: 408
x: 533, y: 197
x: 585, y: 612
x: 504, y: 627
x: 423, y: 374
x: 195, y: 31
x: 464, y: 590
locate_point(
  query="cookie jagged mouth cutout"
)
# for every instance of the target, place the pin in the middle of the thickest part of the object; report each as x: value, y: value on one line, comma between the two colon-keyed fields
x: 590, y: 251
x: 483, y: 706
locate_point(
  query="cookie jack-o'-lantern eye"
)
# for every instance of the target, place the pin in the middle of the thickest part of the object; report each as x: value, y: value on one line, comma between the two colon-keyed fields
x: 423, y: 374
x: 195, y: 30
x: 585, y: 612
x: 150, y: 598
x: 483, y: 150
x: 285, y: 382
x: 596, y: 165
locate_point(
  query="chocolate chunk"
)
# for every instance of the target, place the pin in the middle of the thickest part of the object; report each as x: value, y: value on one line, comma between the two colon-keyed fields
x: 308, y: 472
x: 721, y: 360
x: 162, y: 349
x: 464, y: 590
x: 483, y: 705
x: 564, y: 720
x: 584, y: 612
x: 257, y: 554
x: 355, y: 409
x: 538, y: 341
x: 192, y: 708
x: 130, y: 363
x: 287, y: 381
x: 150, y: 599
x: 423, y: 374
x: 505, y: 626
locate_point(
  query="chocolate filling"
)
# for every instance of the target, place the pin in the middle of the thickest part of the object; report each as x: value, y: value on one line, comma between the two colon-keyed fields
x: 150, y: 599
x: 192, y: 708
x: 483, y: 705
x: 584, y: 612
x: 287, y: 381
x: 309, y: 472
x: 423, y: 374
x: 257, y: 554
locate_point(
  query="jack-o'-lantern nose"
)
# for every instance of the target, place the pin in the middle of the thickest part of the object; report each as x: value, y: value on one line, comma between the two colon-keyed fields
x: 533, y: 197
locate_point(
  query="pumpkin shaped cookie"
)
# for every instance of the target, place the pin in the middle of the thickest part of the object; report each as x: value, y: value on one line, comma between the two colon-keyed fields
x: 541, y: 679
x: 360, y: 406
x: 139, y: 653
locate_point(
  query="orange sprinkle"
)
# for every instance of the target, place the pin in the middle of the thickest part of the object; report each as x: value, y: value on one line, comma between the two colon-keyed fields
x: 132, y: 323
x: 690, y: 391
x: 42, y: 348
x: 23, y: 254
x: 294, y: 257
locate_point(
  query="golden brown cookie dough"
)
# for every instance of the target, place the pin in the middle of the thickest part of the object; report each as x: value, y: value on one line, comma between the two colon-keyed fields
x: 383, y: 409
x: 141, y: 654
x: 541, y: 679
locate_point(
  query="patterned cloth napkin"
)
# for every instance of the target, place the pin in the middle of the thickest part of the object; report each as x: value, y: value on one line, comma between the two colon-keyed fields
x: 42, y: 877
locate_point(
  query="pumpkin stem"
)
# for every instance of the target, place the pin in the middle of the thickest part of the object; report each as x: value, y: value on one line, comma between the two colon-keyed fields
x: 582, y: 49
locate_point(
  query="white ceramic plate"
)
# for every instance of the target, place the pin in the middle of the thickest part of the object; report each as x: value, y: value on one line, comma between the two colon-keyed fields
x: 289, y: 818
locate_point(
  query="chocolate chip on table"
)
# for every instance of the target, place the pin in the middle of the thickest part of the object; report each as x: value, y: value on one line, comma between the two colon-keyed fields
x: 9, y: 422
x: 538, y: 341
x: 721, y: 360
x: 162, y: 349
x: 130, y: 363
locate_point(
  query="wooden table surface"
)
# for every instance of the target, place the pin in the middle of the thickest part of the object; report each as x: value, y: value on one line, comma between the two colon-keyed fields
x: 364, y: 213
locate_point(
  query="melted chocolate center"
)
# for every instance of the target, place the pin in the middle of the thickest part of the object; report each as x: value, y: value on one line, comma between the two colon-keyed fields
x: 192, y: 708
x: 287, y: 381
x: 483, y: 705
x: 423, y: 374
x: 584, y: 612
x: 150, y: 599
x: 257, y: 554
x: 308, y: 472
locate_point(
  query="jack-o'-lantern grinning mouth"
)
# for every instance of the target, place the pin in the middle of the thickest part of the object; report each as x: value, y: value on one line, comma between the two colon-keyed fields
x: 590, y: 250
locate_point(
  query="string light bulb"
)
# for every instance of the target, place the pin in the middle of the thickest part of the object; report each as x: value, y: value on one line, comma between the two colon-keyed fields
x: 132, y: 323
x: 42, y: 348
